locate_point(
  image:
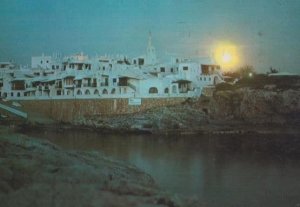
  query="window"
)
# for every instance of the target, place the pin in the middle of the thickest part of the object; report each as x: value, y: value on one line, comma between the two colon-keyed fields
x: 153, y: 90
x: 172, y: 70
x: 53, y: 67
x: 185, y: 68
x: 162, y: 69
x: 104, y: 91
x: 141, y: 61
x: 201, y: 78
x: 166, y: 90
x: 204, y: 79
x: 41, y: 62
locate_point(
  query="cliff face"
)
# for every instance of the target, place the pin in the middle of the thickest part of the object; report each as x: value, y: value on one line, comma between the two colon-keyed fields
x: 256, y: 105
x: 226, y: 109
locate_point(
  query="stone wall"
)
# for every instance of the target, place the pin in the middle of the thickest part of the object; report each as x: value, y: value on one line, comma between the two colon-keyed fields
x: 69, y: 110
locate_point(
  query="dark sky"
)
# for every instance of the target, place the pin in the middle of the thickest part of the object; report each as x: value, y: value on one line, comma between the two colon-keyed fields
x: 265, y: 32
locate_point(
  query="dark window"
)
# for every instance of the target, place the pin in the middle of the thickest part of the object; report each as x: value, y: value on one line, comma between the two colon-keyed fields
x: 41, y: 62
x: 57, y: 67
x: 172, y: 70
x: 53, y: 67
x: 123, y: 82
x: 162, y: 69
x: 185, y: 68
x: 153, y: 90
x: 141, y: 61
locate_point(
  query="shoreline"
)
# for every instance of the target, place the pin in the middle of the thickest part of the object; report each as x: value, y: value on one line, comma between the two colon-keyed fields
x: 240, y: 128
x: 38, y: 173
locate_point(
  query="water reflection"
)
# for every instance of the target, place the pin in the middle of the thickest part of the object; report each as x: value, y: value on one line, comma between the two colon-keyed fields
x: 221, y: 171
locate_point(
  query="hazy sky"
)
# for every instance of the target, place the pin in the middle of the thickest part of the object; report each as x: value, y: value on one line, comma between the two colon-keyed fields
x: 266, y: 32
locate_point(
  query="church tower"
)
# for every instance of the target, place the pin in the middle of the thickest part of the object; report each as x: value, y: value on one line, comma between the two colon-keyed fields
x: 151, y: 54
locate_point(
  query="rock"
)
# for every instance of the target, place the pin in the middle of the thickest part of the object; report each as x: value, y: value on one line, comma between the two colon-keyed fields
x: 38, y: 173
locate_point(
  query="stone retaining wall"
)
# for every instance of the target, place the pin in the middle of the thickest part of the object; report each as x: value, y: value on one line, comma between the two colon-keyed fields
x: 69, y: 110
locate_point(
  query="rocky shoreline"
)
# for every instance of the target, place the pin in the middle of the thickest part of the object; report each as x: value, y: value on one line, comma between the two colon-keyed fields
x: 38, y: 173
x: 240, y: 111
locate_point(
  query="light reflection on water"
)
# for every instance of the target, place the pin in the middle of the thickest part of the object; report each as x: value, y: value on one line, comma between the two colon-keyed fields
x: 221, y: 171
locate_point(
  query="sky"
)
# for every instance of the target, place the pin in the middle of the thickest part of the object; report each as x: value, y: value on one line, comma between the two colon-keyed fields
x: 265, y: 32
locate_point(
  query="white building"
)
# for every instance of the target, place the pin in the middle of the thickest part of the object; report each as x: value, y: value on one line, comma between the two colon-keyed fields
x: 79, y: 76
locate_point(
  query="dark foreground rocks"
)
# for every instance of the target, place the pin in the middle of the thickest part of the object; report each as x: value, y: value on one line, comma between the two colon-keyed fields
x: 38, y: 173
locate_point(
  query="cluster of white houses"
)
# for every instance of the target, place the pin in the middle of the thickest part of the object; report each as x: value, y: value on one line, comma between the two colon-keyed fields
x: 81, y: 77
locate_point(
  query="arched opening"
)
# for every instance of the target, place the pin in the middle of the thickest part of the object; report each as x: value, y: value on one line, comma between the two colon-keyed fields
x: 87, y: 92
x: 113, y: 91
x: 153, y: 90
x: 96, y: 92
x: 18, y: 94
x: 79, y: 92
x: 166, y: 90
x: 104, y: 91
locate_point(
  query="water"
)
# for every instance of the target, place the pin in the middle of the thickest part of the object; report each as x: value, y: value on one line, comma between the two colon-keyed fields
x: 219, y: 170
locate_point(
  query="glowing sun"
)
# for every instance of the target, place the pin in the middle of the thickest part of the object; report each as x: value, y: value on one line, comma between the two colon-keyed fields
x: 226, y: 55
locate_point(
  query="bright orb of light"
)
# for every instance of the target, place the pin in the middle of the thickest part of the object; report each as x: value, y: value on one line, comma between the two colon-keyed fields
x: 226, y: 55
x: 226, y: 58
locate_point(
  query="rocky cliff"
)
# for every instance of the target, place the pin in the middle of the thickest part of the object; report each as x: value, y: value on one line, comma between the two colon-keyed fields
x: 226, y: 109
x: 261, y: 106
